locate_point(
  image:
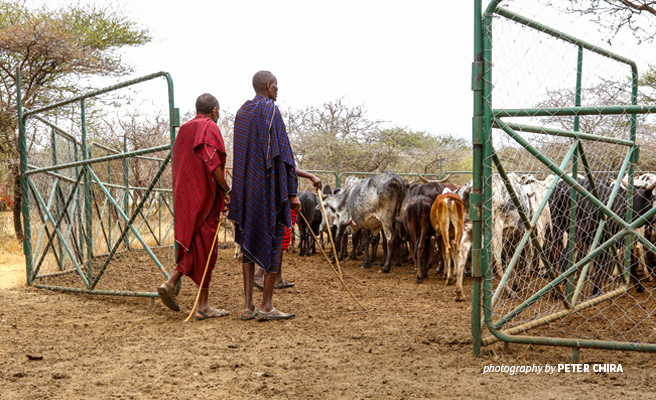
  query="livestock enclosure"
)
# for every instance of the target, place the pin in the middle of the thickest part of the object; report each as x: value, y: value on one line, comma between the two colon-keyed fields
x: 568, y: 110
x: 98, y: 215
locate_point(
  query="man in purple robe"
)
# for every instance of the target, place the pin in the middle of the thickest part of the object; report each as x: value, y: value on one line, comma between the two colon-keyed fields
x: 264, y: 190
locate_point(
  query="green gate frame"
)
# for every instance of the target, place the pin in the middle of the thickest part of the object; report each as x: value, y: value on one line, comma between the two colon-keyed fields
x: 485, y: 118
x: 83, y: 171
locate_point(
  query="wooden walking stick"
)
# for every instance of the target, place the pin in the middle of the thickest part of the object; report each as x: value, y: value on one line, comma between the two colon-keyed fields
x: 330, y: 234
x: 331, y: 264
x: 207, y: 265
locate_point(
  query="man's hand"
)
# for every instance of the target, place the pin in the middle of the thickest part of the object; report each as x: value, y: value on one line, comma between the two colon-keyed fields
x: 294, y: 203
x: 316, y: 182
x: 226, y: 200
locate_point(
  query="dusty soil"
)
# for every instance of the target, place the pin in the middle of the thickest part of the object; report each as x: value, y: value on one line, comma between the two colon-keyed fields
x: 413, y: 343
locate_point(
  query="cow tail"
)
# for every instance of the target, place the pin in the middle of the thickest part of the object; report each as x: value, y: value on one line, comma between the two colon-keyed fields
x: 416, y: 249
x: 399, y: 200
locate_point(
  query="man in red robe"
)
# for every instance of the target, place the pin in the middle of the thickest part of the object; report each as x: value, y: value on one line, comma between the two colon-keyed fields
x: 201, y: 193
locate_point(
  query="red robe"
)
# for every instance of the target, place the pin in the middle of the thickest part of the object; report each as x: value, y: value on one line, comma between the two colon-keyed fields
x: 198, y: 150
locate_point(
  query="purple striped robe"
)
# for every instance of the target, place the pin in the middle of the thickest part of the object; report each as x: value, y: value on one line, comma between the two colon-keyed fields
x: 264, y: 176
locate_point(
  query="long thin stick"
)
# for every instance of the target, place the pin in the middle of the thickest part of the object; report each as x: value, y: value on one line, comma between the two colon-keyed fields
x: 331, y: 264
x: 202, y: 281
x: 330, y: 234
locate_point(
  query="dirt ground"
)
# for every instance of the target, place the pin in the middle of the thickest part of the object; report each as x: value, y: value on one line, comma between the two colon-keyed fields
x: 413, y: 343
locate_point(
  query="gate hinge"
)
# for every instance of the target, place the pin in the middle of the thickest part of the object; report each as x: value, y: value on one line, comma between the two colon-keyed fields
x: 636, y: 155
x: 477, y: 130
x: 475, y: 206
x: 477, y: 76
x: 176, y: 118
x: 476, y: 263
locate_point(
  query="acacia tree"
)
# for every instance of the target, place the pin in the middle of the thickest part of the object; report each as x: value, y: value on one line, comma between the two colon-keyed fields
x: 54, y: 49
x: 338, y: 135
x: 614, y: 15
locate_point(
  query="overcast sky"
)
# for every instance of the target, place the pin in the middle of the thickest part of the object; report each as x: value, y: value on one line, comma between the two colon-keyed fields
x: 408, y: 62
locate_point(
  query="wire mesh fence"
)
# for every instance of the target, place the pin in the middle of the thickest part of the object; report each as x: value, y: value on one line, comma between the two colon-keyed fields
x: 560, y: 242
x: 97, y: 186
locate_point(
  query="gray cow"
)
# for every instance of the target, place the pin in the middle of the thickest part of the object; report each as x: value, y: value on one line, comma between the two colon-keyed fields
x: 374, y: 203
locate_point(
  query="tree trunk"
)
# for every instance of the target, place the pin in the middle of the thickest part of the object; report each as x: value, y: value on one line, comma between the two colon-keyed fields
x: 18, y: 201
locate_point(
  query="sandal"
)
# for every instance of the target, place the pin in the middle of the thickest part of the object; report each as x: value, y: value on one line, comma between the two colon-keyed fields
x: 247, y: 315
x: 258, y: 283
x: 165, y: 295
x: 200, y: 315
x: 284, y: 285
x: 273, y: 314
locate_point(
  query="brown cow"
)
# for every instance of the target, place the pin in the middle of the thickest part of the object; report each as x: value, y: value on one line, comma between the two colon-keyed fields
x: 418, y: 225
x: 447, y: 217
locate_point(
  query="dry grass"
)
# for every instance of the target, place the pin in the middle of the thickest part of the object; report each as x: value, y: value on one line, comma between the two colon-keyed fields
x: 12, y: 261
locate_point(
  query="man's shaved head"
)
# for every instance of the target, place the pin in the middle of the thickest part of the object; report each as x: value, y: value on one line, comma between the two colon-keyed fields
x: 260, y: 80
x: 206, y: 103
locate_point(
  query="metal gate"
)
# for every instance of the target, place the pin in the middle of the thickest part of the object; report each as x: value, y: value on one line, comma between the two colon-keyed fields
x: 533, y: 283
x: 98, y: 216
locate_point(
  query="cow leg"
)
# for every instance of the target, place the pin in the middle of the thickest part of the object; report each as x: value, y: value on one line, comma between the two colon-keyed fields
x: 421, y: 268
x: 437, y: 258
x: 497, y: 248
x: 464, y: 250
x: 361, y: 248
x: 460, y: 270
x: 601, y: 270
x: 374, y: 246
x: 387, y: 231
x: 638, y: 277
x: 237, y: 251
x: 446, y: 257
x: 309, y: 241
x: 344, y: 247
x: 388, y: 257
x: 422, y: 256
x: 292, y: 246
x: 337, y: 239
x: 413, y: 247
x: 366, y: 239
x: 386, y: 247
x: 301, y: 231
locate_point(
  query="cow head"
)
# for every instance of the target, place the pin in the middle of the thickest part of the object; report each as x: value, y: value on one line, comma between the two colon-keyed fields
x: 643, y: 199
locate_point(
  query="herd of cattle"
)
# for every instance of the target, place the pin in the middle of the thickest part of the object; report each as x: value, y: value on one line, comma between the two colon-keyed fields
x: 434, y: 215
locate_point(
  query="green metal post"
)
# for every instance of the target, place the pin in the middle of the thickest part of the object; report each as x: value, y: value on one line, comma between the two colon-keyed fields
x: 109, y: 214
x: 572, y: 213
x: 159, y: 209
x: 58, y: 204
x: 174, y: 122
x: 78, y: 214
x: 629, y: 209
x: 126, y: 193
x: 486, y: 255
x: 25, y: 209
x: 475, y: 197
x: 87, y: 193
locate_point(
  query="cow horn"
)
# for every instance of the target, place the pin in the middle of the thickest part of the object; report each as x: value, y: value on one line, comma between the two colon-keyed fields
x: 446, y: 178
x: 423, y: 179
x: 625, y: 181
x: 651, y: 186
